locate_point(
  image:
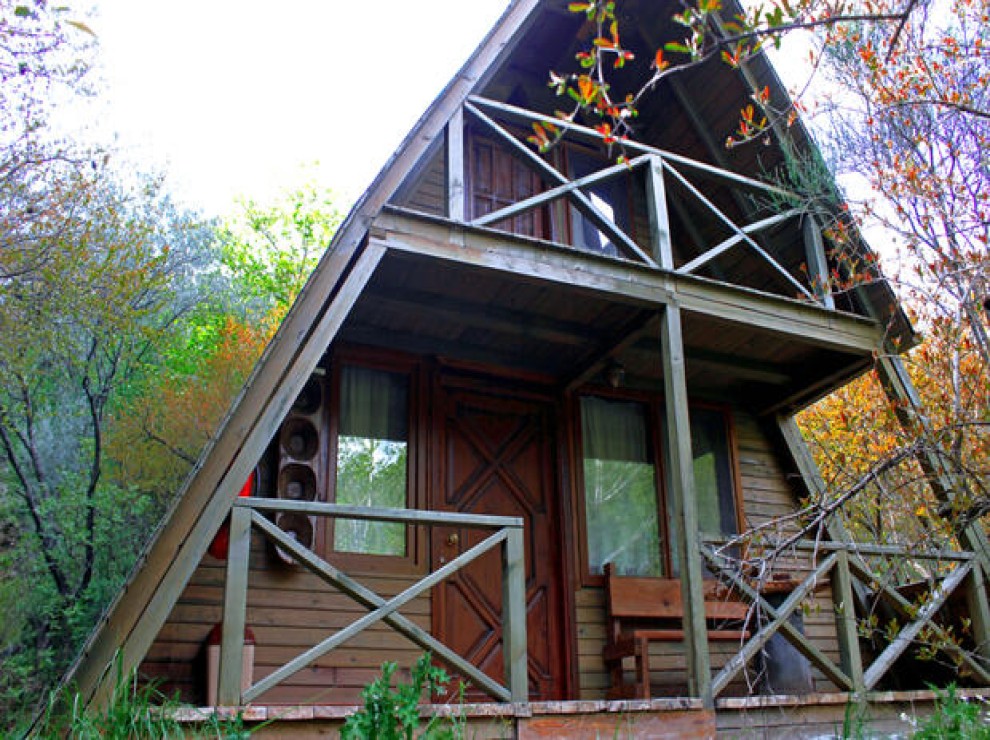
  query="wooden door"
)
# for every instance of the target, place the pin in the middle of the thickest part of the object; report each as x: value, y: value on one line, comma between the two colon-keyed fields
x: 497, y: 458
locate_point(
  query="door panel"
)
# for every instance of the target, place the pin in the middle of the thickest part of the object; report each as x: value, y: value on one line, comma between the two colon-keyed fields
x: 496, y: 458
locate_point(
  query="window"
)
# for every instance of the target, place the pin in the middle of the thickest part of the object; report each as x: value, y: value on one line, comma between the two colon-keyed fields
x: 610, y: 196
x: 372, y: 457
x: 713, y: 480
x: 621, y: 493
x: 620, y: 487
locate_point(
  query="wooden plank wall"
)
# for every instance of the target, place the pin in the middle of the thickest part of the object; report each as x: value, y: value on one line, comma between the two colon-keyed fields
x: 427, y: 191
x: 289, y: 611
x: 767, y: 494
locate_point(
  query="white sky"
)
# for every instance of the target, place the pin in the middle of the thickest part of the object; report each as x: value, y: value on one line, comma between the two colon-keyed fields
x: 233, y: 97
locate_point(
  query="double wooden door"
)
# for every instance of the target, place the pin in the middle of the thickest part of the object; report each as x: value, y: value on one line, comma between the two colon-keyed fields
x: 496, y: 457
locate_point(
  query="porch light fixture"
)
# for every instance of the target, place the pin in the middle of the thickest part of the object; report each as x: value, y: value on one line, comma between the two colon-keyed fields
x: 615, y: 373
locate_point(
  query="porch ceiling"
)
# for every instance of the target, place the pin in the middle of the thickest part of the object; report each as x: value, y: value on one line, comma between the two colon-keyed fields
x: 565, y: 334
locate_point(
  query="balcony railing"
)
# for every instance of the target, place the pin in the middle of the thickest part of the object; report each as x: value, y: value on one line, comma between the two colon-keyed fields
x: 661, y: 166
x: 507, y: 535
x: 845, y: 566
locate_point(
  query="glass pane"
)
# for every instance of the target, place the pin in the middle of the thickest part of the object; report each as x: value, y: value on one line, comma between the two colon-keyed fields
x: 713, y: 473
x: 610, y: 196
x: 372, y: 449
x: 619, y: 488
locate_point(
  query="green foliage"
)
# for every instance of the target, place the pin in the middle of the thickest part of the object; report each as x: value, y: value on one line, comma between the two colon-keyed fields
x: 393, y: 713
x: 133, y: 711
x: 955, y: 718
x: 271, y: 249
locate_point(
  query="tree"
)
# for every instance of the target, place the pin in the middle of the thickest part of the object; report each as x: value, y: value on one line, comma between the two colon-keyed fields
x: 74, y: 332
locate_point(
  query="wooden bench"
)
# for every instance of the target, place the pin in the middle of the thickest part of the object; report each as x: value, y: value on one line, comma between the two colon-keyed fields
x: 641, y: 610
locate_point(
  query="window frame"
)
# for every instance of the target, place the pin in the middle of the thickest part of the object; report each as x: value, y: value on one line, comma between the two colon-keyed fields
x: 570, y: 149
x: 654, y: 432
x: 654, y: 403
x: 415, y: 558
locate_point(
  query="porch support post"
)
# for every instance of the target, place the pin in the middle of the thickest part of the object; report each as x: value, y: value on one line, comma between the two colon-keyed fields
x: 514, y: 616
x: 455, y: 166
x: 679, y: 459
x: 814, y: 250
x: 234, y: 608
x: 910, y: 412
x: 979, y: 612
x: 656, y: 198
x: 845, y: 623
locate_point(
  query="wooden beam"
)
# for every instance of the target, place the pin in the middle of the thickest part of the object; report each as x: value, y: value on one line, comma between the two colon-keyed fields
x: 388, y: 608
x: 542, y: 262
x: 455, y: 166
x: 514, y: 639
x: 382, y: 514
x: 814, y: 250
x: 906, y: 636
x: 486, y: 316
x: 910, y: 411
x: 521, y: 114
x: 683, y: 497
x: 778, y: 623
x: 656, y: 201
x: 741, y: 234
x: 847, y: 630
x: 910, y: 613
x: 732, y: 225
x: 552, y: 194
x: 978, y: 610
x: 582, y: 201
x: 597, y: 359
x: 368, y: 598
x: 234, y: 609
x: 738, y: 367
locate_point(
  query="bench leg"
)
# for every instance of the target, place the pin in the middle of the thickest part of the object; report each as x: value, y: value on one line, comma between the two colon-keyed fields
x: 643, y: 668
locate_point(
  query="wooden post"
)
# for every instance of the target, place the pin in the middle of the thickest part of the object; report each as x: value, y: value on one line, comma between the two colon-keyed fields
x: 845, y: 623
x: 234, y: 608
x: 979, y: 611
x: 910, y: 412
x: 814, y: 250
x: 514, y: 616
x: 680, y: 464
x: 659, y: 218
x: 455, y: 166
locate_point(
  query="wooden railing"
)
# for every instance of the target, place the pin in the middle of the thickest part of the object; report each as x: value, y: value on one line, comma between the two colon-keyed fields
x: 846, y: 568
x: 660, y: 165
x: 248, y: 513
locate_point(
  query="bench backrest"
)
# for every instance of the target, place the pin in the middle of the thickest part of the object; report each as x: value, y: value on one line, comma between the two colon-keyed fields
x: 638, y: 597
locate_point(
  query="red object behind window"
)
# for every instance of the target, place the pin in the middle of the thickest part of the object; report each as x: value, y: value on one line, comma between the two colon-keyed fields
x: 221, y: 541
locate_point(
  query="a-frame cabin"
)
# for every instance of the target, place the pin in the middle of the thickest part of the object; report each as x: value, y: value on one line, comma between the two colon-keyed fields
x: 575, y: 364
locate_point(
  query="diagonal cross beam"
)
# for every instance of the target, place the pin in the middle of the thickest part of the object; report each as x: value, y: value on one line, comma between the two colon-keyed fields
x: 740, y: 232
x: 921, y: 617
x: 384, y: 610
x: 778, y: 623
x: 599, y: 219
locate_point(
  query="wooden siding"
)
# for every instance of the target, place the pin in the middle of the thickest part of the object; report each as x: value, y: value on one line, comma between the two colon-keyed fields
x: 289, y: 611
x: 767, y: 493
x: 426, y: 191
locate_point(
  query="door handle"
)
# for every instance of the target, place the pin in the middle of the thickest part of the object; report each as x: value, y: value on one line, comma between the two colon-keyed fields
x: 453, y: 539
